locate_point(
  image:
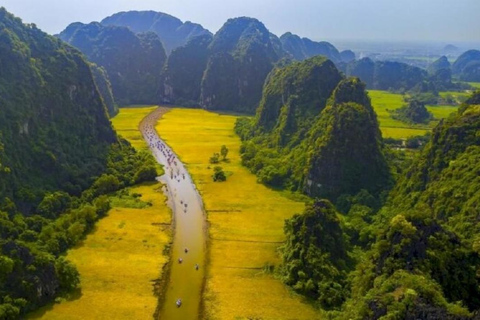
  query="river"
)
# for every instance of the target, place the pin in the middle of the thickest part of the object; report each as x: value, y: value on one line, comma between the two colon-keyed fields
x: 185, y: 282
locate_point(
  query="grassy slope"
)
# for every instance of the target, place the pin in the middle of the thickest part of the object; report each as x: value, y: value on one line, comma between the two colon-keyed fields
x: 118, y: 261
x: 246, y: 222
x: 383, y: 101
x: 475, y: 84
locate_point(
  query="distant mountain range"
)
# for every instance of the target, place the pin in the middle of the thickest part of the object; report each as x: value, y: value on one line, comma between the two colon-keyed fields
x: 222, y: 71
x: 152, y: 57
x: 172, y: 32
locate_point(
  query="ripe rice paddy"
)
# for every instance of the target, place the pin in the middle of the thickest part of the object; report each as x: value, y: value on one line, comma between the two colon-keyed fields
x: 383, y: 101
x: 245, y: 222
x: 122, y: 258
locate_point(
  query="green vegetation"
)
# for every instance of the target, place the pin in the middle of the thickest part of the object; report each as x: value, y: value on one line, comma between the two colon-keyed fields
x: 414, y: 112
x: 135, y: 230
x: 59, y: 159
x: 224, y: 152
x: 183, y: 72
x: 315, y: 260
x: 242, y: 53
x: 104, y: 88
x: 310, y: 130
x: 386, y: 103
x: 34, y: 244
x: 218, y: 174
x: 386, y: 75
x: 132, y: 61
x: 417, y: 256
x: 215, y: 158
x: 55, y: 132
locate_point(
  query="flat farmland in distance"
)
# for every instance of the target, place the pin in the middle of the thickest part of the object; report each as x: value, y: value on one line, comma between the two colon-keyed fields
x: 383, y: 101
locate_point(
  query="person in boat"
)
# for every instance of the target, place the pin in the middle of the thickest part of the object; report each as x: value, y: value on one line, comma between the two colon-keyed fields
x: 186, y: 250
x: 180, y: 260
x: 179, y: 302
x: 196, y: 266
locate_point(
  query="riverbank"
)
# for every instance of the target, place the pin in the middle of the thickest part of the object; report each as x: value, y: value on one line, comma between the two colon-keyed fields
x: 122, y: 260
x: 183, y: 286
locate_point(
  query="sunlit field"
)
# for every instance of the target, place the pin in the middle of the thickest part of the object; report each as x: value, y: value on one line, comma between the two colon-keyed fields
x: 245, y: 222
x: 126, y: 124
x: 382, y: 101
x: 122, y: 258
x: 475, y: 84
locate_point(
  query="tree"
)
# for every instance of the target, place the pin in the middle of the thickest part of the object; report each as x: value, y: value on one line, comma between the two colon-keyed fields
x: 219, y: 174
x: 414, y: 112
x: 53, y: 204
x: 224, y: 151
x: 105, y: 184
x: 215, y: 158
x: 145, y: 173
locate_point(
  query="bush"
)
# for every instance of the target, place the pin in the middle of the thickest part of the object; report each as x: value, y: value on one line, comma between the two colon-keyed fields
x: 219, y: 174
x: 145, y: 173
x: 68, y: 275
x: 224, y: 152
x: 53, y: 204
x: 105, y: 184
x: 215, y: 158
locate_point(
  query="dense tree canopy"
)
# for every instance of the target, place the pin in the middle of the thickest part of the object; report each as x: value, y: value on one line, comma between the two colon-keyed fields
x: 315, y: 259
x: 54, y: 128
x: 242, y: 54
x: 59, y: 156
x: 315, y: 132
x: 414, y: 112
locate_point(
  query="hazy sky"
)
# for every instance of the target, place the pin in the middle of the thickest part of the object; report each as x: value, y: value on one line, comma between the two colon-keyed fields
x: 437, y: 20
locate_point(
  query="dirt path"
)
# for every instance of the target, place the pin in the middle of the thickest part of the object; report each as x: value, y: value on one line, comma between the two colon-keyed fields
x: 185, y: 281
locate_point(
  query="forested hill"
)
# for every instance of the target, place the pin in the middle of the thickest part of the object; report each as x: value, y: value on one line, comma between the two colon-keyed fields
x: 401, y: 77
x: 55, y: 131
x: 172, y: 32
x: 418, y: 256
x: 241, y: 55
x: 316, y: 132
x: 59, y: 157
x: 226, y: 71
x: 133, y: 62
x: 467, y: 66
x: 425, y: 260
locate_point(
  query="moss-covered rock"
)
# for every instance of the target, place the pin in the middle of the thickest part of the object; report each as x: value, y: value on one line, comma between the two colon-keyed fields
x: 55, y: 132
x: 241, y: 56
x: 345, y: 146
x: 133, y: 62
x: 184, y: 70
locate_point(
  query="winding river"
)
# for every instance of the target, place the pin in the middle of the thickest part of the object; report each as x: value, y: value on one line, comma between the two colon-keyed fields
x: 185, y: 280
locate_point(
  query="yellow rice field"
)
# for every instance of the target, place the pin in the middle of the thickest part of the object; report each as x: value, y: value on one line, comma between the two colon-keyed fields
x: 383, y: 101
x: 121, y: 259
x: 245, y: 222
